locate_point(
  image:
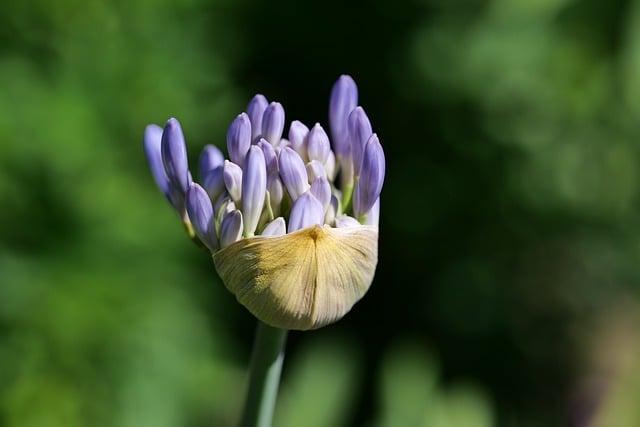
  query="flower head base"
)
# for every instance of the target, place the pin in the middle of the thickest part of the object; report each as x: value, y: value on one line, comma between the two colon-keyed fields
x: 296, y: 248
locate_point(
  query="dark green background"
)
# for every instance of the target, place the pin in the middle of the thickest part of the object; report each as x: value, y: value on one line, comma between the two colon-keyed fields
x: 506, y: 292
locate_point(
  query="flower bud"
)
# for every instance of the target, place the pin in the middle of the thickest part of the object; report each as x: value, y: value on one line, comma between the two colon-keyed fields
x: 297, y: 138
x: 284, y: 142
x: 231, y: 228
x: 255, y: 111
x: 270, y: 156
x: 293, y: 173
x: 332, y: 210
x: 373, y: 216
x: 321, y: 190
x: 223, y: 205
x: 213, y: 182
x: 232, y: 175
x: 277, y: 227
x: 276, y: 193
x: 174, y: 156
x: 254, y: 188
x: 315, y: 169
x: 343, y: 221
x: 359, y: 133
x: 305, y: 212
x: 371, y: 179
x: 210, y: 169
x: 330, y: 166
x: 200, y: 213
x: 273, y: 123
x: 344, y: 98
x: 318, y: 147
x: 210, y: 158
x: 239, y: 139
x: 151, y: 143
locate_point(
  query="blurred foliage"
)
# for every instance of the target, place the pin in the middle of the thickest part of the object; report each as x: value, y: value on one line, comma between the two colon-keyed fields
x: 615, y: 379
x: 509, y: 217
x: 321, y: 386
x: 411, y: 395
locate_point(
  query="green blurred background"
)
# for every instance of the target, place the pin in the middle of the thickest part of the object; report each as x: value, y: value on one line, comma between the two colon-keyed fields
x: 507, y: 288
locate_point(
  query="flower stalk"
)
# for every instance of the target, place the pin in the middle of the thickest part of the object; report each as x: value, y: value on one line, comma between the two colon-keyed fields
x: 264, y: 376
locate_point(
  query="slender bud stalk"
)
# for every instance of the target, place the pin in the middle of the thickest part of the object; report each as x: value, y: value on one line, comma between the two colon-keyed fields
x: 264, y: 376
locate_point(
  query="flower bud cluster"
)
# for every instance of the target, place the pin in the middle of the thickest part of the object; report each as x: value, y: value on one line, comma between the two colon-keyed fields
x: 272, y: 185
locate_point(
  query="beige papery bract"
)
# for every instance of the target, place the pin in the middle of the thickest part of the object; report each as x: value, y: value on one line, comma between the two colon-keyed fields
x: 303, y: 280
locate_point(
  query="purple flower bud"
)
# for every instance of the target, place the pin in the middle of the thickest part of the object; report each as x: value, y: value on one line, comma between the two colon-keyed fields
x: 332, y: 210
x: 210, y: 168
x: 346, y: 221
x: 174, y: 156
x: 223, y: 205
x: 315, y: 169
x: 239, y: 139
x: 270, y: 156
x: 298, y: 137
x: 273, y: 123
x: 276, y: 193
x: 318, y: 147
x: 201, y: 216
x: 151, y: 143
x: 210, y: 158
x: 293, y: 172
x: 373, y: 216
x: 213, y: 182
x: 344, y: 98
x: 359, y: 133
x: 255, y: 110
x: 284, y: 142
x: 371, y: 177
x: 277, y: 227
x: 305, y: 212
x: 321, y: 190
x: 330, y: 166
x: 254, y: 188
x: 231, y: 228
x: 232, y: 175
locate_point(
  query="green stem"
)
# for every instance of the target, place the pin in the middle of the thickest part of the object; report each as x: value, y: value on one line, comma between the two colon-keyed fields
x: 264, y: 376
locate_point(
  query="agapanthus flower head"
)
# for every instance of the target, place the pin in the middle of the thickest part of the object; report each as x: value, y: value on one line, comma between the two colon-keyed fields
x: 292, y: 223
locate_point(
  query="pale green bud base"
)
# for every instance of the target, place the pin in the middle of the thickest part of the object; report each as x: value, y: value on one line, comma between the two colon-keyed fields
x: 346, y: 198
x: 264, y: 376
x: 187, y: 226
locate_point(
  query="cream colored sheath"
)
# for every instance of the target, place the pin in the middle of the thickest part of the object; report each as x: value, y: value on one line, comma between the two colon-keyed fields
x: 303, y: 280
